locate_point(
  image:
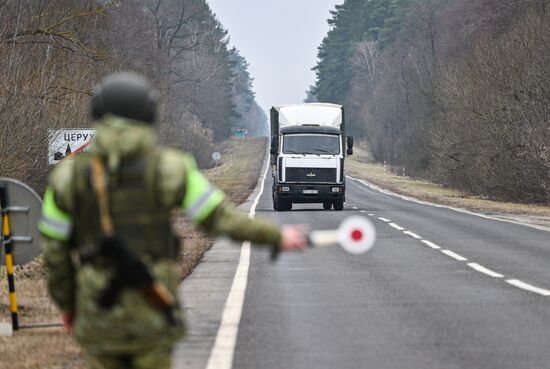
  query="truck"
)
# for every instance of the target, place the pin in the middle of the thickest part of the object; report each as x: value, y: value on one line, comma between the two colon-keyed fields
x: 307, y: 152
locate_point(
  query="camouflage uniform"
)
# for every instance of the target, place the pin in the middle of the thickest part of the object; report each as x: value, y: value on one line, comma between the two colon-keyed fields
x: 146, y: 184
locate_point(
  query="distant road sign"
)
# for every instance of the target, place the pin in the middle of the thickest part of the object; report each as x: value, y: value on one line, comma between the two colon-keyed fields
x: 24, y: 209
x: 64, y: 142
x: 216, y: 156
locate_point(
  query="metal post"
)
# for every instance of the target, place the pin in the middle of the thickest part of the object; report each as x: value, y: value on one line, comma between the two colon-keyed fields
x: 8, y: 251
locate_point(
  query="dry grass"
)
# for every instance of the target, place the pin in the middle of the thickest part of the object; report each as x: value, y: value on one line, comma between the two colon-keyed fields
x: 361, y: 165
x: 52, y: 348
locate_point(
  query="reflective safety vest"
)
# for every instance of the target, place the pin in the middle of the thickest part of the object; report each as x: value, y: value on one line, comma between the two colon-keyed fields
x: 139, y: 217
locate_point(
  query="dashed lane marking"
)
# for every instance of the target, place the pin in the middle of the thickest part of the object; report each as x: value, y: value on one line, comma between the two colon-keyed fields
x: 363, y: 211
x: 482, y: 269
x: 431, y: 244
x: 413, y: 235
x: 398, y: 227
x: 454, y: 255
x: 355, y: 208
x: 527, y: 287
x: 475, y: 266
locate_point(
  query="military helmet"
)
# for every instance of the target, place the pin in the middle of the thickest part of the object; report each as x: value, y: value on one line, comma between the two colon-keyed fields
x: 125, y: 94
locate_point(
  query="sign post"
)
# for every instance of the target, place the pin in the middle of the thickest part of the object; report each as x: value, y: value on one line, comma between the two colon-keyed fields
x: 20, y: 209
x: 216, y: 157
x: 7, y: 242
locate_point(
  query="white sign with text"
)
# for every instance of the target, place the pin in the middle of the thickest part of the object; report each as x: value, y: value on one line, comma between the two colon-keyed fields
x: 65, y: 142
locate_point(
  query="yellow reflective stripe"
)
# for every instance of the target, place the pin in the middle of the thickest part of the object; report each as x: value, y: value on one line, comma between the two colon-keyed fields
x: 201, y: 198
x: 55, y: 223
x: 207, y: 205
x: 54, y: 229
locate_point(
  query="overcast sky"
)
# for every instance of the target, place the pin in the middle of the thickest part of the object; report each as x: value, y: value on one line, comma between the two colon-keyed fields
x: 279, y: 38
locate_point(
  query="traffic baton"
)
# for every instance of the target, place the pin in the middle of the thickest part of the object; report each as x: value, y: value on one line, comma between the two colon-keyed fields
x: 356, y: 235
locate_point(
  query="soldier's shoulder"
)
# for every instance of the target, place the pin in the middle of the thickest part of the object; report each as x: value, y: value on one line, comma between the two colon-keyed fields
x: 173, y: 168
x: 62, y: 183
x: 61, y: 177
x: 173, y: 158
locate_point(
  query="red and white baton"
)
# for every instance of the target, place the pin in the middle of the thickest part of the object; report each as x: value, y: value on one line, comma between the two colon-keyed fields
x: 356, y: 235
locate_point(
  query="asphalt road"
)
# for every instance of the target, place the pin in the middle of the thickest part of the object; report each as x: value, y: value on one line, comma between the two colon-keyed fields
x: 440, y: 289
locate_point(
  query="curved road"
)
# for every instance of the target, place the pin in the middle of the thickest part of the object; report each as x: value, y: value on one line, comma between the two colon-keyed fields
x: 441, y: 289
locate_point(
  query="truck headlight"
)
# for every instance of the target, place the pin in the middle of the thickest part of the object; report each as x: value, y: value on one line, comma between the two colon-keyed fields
x: 335, y: 189
x: 285, y: 189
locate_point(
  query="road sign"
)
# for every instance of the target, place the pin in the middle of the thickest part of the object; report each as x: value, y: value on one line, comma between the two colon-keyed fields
x: 24, y: 207
x: 64, y: 142
x: 216, y: 156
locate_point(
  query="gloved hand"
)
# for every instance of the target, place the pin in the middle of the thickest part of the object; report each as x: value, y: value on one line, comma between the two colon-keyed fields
x: 293, y: 237
x: 68, y: 320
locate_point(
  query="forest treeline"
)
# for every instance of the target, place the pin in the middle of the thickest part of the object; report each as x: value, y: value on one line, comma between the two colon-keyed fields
x: 456, y: 91
x: 53, y: 52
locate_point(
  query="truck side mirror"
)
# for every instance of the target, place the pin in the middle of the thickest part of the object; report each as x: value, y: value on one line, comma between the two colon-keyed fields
x: 350, y: 145
x: 274, y: 145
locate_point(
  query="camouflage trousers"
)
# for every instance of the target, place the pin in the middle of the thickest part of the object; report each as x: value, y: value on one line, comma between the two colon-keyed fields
x: 156, y: 358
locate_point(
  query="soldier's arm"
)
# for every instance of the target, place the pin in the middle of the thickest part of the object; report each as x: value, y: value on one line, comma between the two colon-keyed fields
x: 225, y: 219
x: 206, y: 206
x: 56, y: 228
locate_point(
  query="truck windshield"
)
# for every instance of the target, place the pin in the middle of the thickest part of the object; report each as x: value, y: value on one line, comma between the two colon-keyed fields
x: 311, y: 144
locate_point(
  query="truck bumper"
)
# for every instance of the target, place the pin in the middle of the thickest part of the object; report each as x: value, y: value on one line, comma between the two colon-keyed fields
x: 305, y: 193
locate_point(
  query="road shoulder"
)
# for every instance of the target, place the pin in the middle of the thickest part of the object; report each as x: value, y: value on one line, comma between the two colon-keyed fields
x: 204, y: 294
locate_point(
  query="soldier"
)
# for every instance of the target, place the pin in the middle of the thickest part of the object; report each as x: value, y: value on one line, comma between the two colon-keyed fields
x: 108, y: 244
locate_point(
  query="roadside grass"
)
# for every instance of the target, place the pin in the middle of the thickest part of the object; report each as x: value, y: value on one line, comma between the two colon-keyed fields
x: 361, y: 165
x: 51, y: 348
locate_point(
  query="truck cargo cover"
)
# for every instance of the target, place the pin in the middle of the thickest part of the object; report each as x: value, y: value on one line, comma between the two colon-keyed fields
x: 312, y: 113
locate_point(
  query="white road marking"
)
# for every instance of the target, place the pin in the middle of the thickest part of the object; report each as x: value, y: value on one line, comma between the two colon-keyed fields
x: 363, y: 211
x: 454, y: 255
x: 460, y: 210
x: 221, y: 356
x: 527, y: 287
x: 431, y: 244
x: 355, y: 208
x: 413, y: 235
x: 371, y: 215
x: 482, y: 269
x: 514, y: 282
x: 384, y: 219
x: 399, y: 228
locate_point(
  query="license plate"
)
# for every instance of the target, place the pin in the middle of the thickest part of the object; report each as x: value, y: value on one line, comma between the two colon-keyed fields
x: 311, y: 192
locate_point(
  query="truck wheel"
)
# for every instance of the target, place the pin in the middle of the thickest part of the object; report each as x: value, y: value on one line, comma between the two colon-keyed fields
x: 285, y: 205
x: 275, y: 202
x: 281, y: 204
x: 327, y: 205
x: 339, y: 205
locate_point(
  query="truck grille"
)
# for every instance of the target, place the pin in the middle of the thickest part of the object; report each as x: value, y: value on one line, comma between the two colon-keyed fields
x: 311, y: 175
